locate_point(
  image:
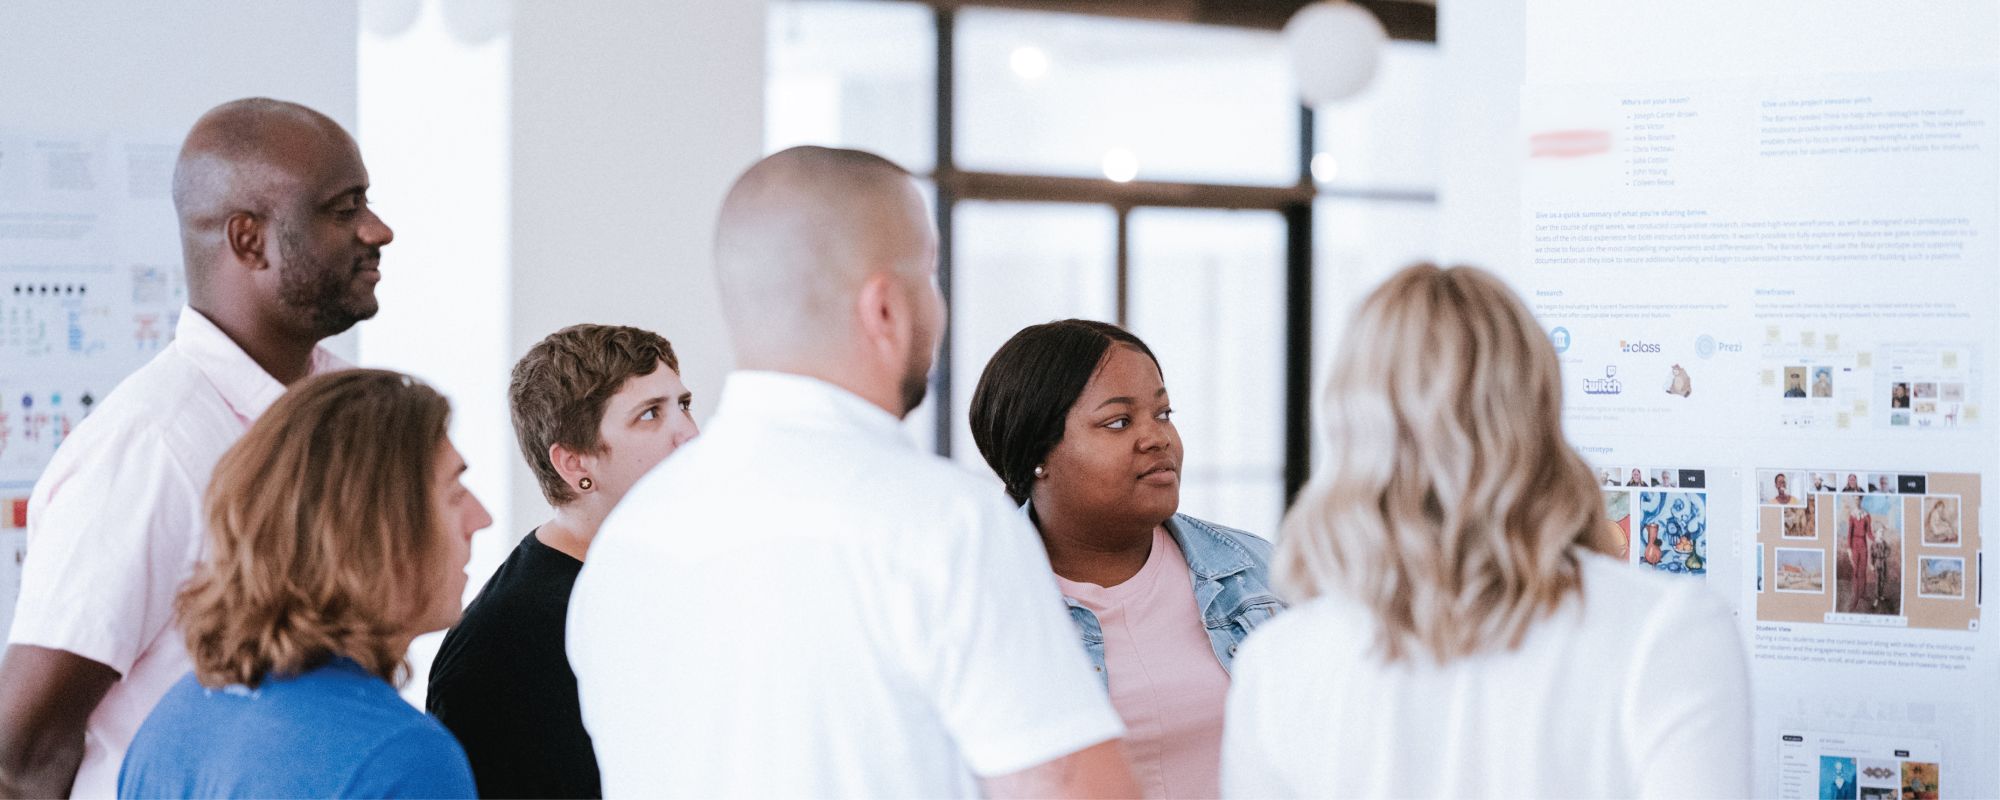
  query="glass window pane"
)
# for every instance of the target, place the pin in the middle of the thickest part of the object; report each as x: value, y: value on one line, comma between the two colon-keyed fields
x: 1385, y: 137
x: 1019, y: 264
x: 853, y: 73
x: 1208, y: 296
x: 1356, y: 245
x: 1062, y: 94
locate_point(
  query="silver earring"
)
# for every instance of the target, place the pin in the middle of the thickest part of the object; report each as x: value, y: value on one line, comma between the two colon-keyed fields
x: 1041, y: 473
x: 585, y: 484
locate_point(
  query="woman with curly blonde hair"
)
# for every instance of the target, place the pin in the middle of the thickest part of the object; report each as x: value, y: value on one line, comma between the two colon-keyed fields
x: 338, y: 531
x: 1454, y: 634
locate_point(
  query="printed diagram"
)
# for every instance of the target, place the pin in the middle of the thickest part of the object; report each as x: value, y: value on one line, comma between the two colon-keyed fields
x: 1869, y: 547
x: 91, y: 285
x: 1823, y: 380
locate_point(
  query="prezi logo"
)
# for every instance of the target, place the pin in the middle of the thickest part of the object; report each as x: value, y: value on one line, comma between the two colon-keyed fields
x: 1606, y: 385
x: 1560, y: 338
x: 1706, y: 346
x: 1636, y: 346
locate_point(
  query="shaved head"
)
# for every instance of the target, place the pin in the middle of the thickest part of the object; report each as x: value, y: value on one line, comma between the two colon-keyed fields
x: 267, y: 186
x: 799, y: 235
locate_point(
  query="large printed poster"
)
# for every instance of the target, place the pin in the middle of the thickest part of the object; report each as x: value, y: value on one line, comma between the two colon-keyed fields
x: 90, y: 289
x: 1790, y: 281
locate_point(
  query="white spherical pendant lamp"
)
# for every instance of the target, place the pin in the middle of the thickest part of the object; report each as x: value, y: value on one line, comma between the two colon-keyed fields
x: 1334, y: 47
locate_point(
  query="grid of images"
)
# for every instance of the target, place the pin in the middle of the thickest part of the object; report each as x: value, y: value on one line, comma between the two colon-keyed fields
x: 1868, y: 547
x: 1660, y: 516
x: 1821, y: 379
x: 1857, y: 767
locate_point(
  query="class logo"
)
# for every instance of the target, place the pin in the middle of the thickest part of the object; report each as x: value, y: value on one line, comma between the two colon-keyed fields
x: 1636, y: 346
x: 1560, y: 338
x: 1606, y: 385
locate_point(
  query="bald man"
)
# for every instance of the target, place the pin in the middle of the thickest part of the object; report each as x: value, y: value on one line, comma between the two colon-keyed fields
x: 281, y: 251
x: 802, y: 604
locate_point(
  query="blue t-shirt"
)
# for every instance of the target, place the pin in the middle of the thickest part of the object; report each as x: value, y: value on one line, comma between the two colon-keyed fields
x: 336, y: 731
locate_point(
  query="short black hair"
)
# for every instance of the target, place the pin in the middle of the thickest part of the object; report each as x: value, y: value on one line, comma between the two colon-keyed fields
x: 1022, y: 403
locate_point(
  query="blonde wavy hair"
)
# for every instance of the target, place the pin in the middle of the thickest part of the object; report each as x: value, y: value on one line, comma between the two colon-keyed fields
x: 322, y: 534
x: 1450, y: 506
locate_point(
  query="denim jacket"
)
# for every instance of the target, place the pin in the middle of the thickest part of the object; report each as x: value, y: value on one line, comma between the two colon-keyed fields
x: 1231, y: 573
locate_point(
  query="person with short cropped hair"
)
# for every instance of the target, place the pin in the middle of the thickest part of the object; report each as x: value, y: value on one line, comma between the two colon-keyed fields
x: 802, y: 604
x: 1452, y: 634
x: 338, y: 530
x: 594, y: 408
x: 1074, y: 417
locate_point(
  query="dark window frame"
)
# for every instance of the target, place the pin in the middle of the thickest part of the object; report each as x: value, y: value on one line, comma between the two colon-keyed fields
x: 1404, y: 19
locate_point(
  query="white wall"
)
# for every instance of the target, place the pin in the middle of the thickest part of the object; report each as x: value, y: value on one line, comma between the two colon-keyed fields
x: 1484, y: 43
x: 154, y: 67
x: 631, y: 118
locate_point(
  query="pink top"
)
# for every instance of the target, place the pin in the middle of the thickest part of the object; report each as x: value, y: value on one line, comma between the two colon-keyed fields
x: 115, y: 525
x: 1165, y: 680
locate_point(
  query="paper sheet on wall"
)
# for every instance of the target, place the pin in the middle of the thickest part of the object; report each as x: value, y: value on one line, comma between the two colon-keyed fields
x: 1785, y: 288
x: 90, y: 289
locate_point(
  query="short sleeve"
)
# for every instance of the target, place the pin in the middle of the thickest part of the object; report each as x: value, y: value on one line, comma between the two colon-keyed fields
x: 420, y: 761
x: 112, y: 534
x: 1705, y: 718
x: 1004, y: 664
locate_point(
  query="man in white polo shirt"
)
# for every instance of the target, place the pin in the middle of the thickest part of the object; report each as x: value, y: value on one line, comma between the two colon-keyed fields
x: 802, y: 604
x: 281, y: 251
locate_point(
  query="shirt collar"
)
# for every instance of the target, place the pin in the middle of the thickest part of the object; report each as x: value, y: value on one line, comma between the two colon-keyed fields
x: 1210, y: 553
x: 797, y: 401
x: 244, y: 386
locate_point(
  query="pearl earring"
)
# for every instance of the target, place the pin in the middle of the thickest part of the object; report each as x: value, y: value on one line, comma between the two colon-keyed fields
x: 1041, y: 473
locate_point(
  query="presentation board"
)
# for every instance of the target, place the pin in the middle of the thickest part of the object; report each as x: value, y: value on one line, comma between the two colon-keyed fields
x: 1788, y: 280
x: 91, y: 287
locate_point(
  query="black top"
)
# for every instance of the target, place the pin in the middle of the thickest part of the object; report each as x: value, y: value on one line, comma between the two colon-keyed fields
x: 502, y: 683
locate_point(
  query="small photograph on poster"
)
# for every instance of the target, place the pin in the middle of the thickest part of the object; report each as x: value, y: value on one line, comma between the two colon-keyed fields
x: 1882, y: 483
x: 1940, y: 522
x: 1795, y: 383
x: 1664, y: 479
x: 1899, y: 395
x: 1800, y: 570
x: 1618, y: 509
x: 1823, y: 482
x: 1853, y: 483
x: 1920, y: 780
x: 1951, y: 392
x: 1879, y: 773
x: 1674, y: 531
x: 1638, y: 477
x: 1610, y: 478
x: 1803, y: 522
x: 1822, y: 382
x: 1780, y: 487
x: 1679, y: 383
x: 1868, y: 535
x: 1760, y: 567
x: 1924, y: 390
x: 1837, y: 779
x: 1941, y: 577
